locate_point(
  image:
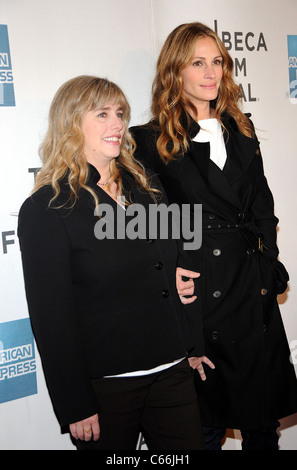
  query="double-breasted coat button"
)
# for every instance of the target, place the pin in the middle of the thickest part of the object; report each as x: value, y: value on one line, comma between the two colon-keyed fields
x: 217, y: 294
x: 211, y: 216
x: 215, y: 335
x: 216, y: 252
x: 165, y: 293
x: 263, y: 291
x: 150, y: 241
x: 158, y: 265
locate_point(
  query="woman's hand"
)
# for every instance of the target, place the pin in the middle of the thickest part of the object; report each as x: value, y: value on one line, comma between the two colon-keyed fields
x: 86, y: 429
x: 197, y: 363
x: 186, y: 287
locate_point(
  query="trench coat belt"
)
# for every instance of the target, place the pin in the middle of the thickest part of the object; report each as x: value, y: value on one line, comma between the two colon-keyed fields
x: 247, y: 228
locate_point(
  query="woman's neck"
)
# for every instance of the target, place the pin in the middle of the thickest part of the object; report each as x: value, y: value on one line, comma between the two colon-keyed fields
x: 204, y: 112
x: 207, y: 113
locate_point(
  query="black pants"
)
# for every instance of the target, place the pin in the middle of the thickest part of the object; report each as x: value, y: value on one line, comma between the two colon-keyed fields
x: 251, y: 440
x: 163, y: 406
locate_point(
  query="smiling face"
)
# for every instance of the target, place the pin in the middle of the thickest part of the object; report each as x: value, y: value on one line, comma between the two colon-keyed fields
x: 103, y: 130
x: 202, y: 77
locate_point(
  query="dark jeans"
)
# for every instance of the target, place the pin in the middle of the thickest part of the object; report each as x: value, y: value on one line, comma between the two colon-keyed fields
x: 163, y: 406
x: 251, y: 440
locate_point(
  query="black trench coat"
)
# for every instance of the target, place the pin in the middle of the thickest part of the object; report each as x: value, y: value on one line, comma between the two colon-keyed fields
x: 254, y: 382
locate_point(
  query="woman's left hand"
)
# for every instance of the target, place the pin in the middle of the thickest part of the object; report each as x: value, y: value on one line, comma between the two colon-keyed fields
x: 186, y: 287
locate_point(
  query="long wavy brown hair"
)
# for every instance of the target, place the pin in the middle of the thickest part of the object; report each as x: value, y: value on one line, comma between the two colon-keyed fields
x: 168, y: 101
x: 62, y: 150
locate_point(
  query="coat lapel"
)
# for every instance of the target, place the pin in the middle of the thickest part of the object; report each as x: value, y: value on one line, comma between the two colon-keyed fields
x: 240, y: 152
x: 206, y: 183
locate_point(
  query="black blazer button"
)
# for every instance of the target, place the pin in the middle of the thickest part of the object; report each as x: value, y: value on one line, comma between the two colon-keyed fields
x: 158, y: 266
x: 211, y: 216
x: 215, y: 335
x: 263, y: 291
x: 216, y: 252
x: 217, y: 294
x: 165, y: 293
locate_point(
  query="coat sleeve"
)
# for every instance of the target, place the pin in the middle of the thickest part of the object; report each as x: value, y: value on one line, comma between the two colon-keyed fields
x: 266, y: 222
x: 46, y: 259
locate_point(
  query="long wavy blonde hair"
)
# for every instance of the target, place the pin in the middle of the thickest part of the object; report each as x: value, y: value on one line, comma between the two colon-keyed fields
x: 169, y: 103
x: 62, y: 150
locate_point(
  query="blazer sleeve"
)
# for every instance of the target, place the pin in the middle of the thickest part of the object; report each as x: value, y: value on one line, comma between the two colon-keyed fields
x: 46, y: 259
x: 147, y: 154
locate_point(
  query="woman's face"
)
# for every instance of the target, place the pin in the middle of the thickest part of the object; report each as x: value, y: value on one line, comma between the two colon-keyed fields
x: 103, y: 130
x: 202, y: 78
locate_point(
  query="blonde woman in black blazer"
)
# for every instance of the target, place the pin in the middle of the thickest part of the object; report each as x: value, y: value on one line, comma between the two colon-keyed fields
x: 108, y: 321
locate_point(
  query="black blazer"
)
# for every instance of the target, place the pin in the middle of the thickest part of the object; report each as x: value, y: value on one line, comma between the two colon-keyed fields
x: 97, y: 307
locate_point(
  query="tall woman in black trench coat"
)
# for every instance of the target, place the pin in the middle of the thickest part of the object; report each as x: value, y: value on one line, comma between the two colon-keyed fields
x: 109, y: 324
x: 253, y: 383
